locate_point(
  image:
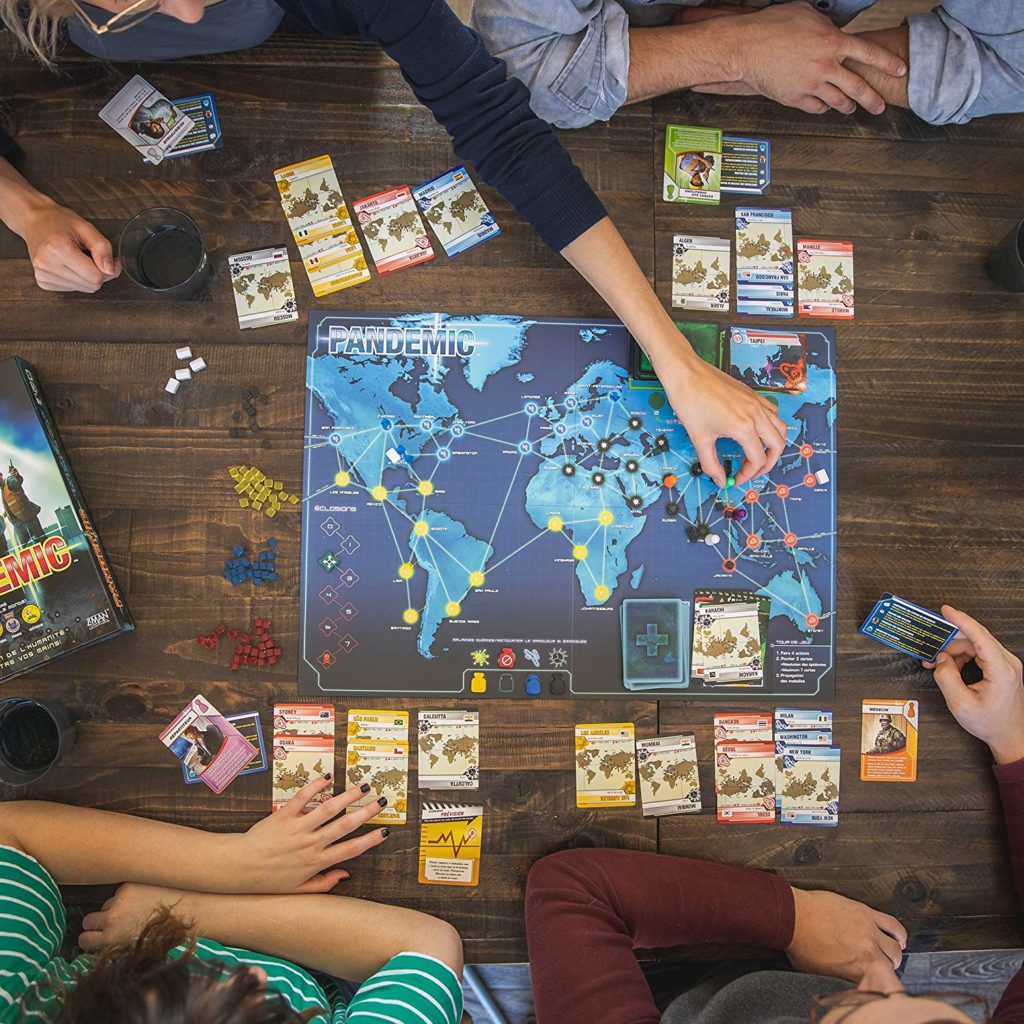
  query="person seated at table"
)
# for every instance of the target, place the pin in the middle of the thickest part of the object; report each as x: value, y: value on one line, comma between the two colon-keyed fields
x: 489, y: 119
x: 210, y: 926
x: 588, y: 910
x: 584, y: 59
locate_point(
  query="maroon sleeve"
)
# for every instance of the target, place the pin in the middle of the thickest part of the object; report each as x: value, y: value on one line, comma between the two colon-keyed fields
x: 1011, y: 791
x: 588, y: 910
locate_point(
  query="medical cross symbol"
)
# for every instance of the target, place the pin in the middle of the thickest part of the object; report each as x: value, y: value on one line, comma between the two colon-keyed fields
x: 651, y: 639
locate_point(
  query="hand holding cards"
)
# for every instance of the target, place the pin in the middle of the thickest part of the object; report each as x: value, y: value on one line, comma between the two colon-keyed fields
x: 908, y: 628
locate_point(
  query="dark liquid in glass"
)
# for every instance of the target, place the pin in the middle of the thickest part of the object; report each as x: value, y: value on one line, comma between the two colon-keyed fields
x: 169, y: 257
x: 29, y: 738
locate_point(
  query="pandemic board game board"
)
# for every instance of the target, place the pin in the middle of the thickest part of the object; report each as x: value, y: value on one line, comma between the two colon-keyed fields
x: 497, y: 506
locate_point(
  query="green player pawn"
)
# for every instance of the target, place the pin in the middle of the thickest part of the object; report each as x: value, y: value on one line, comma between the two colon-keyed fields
x: 730, y: 481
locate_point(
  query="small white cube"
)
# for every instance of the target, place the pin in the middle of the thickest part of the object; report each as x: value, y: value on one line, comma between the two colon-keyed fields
x: 393, y: 457
x: 197, y: 364
x: 183, y: 374
x: 172, y: 385
x: 821, y: 476
x: 184, y: 353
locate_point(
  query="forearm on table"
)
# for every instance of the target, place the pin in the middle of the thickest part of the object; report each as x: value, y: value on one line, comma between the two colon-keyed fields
x: 892, y: 88
x: 18, y: 199
x: 341, y: 936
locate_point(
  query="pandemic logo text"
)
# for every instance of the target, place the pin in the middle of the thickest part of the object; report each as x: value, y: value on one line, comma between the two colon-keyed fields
x: 446, y: 342
x: 33, y: 563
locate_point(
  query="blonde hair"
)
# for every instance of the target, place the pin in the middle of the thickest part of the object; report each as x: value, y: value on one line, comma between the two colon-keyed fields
x: 35, y: 24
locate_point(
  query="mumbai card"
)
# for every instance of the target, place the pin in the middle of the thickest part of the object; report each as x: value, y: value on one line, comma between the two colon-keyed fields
x: 745, y: 782
x: 456, y: 211
x: 384, y: 764
x: 378, y: 725
x: 147, y: 119
x: 312, y: 200
x: 693, y: 164
x: 825, y: 277
x: 605, y: 765
x: 248, y: 724
x: 262, y: 283
x: 450, y: 840
x: 669, y: 783
x: 701, y: 272
x: 888, y: 740
x: 764, y: 262
x: 746, y: 727
x: 393, y: 229
x: 298, y: 761
x: 448, y: 744
x: 304, y: 719
x: 808, y: 784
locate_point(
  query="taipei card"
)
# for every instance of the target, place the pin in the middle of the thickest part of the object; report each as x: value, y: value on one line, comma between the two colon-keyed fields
x: 205, y: 132
x: 298, y: 761
x: 767, y: 360
x: 451, y: 837
x: 262, y: 283
x: 808, y: 784
x: 744, y: 727
x: 248, y: 724
x: 764, y: 262
x: 393, y: 229
x: 448, y: 743
x: 700, y: 272
x: 888, y: 740
x: 825, y: 276
x: 746, y: 165
x: 378, y: 725
x: 312, y: 200
x: 147, y: 119
x: 384, y: 764
x: 655, y: 643
x: 456, y: 211
x: 605, y: 765
x: 304, y: 719
x: 669, y: 783
x: 745, y: 782
x: 908, y: 628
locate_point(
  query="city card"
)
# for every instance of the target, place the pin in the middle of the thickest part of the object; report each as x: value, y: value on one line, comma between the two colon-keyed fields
x: 335, y: 261
x: 746, y: 165
x: 147, y: 119
x: 378, y: 725
x: 825, y: 278
x: 248, y: 724
x: 393, y: 229
x: 808, y: 784
x: 888, y: 740
x: 456, y: 211
x: 450, y: 841
x: 700, y: 272
x: 745, y: 782
x: 262, y: 284
x: 764, y: 262
x: 729, y: 639
x: 605, y: 765
x: 693, y: 164
x: 208, y: 745
x: 298, y: 761
x: 654, y: 642
x: 768, y: 360
x: 790, y: 720
x: 669, y: 783
x: 448, y: 744
x: 312, y: 200
x: 705, y: 597
x: 908, y: 628
x: 205, y: 132
x: 304, y: 719
x: 743, y: 727
x: 384, y: 764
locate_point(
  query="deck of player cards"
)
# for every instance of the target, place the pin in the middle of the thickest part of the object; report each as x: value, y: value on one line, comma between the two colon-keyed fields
x: 605, y: 765
x: 262, y: 285
x: 393, y: 229
x: 744, y: 768
x: 378, y: 754
x: 764, y: 262
x: 303, y: 750
x: 147, y: 119
x: 456, y: 211
x: 451, y: 836
x: 655, y: 643
x: 908, y: 628
x: 448, y: 745
x: 825, y: 278
x: 730, y: 631
x: 807, y: 767
x: 701, y: 272
x: 669, y: 781
x: 888, y: 740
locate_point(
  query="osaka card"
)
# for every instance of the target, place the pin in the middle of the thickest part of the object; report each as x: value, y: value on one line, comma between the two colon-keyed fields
x: 147, y: 119
x: 605, y: 765
x: 669, y: 783
x: 701, y: 272
x: 451, y: 836
x: 888, y: 740
x: 825, y: 276
x: 448, y: 743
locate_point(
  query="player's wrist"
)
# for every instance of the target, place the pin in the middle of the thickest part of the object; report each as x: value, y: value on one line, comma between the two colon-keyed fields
x: 21, y: 204
x: 1007, y: 750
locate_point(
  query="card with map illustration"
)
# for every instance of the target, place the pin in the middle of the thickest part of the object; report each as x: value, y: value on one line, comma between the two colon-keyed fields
x: 669, y: 783
x: 449, y: 749
x: 451, y: 837
x: 393, y: 229
x: 605, y: 765
x: 743, y: 727
x: 298, y: 761
x: 364, y: 724
x: 808, y: 784
x: 384, y: 764
x: 745, y: 782
x: 304, y: 719
x: 262, y: 284
x: 825, y: 276
x: 730, y: 642
x: 701, y: 272
x: 311, y: 199
x: 456, y: 211
x: 768, y: 360
x: 704, y: 598
x: 764, y: 262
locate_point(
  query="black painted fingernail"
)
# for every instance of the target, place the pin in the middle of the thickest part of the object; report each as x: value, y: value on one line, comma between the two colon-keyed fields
x: 364, y: 788
x: 328, y: 776
x: 382, y: 800
x: 385, y: 832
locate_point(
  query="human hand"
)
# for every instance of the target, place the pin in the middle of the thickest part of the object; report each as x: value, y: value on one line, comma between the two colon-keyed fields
x: 296, y: 851
x: 815, y: 80
x: 710, y: 404
x: 992, y: 709
x: 842, y: 938
x: 68, y: 253
x: 123, y: 917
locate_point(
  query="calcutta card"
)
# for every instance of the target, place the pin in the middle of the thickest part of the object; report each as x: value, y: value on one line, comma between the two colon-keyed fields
x: 669, y: 784
x: 888, y: 740
x: 384, y: 764
x: 147, y: 119
x: 745, y: 782
x: 450, y: 840
x: 298, y: 761
x: 456, y: 211
x: 700, y: 272
x: 393, y: 229
x: 449, y: 749
x: 262, y: 283
x: 605, y: 765
x: 808, y: 784
x: 312, y: 200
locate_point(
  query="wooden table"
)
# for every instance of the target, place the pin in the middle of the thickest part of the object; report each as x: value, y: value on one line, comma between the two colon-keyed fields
x: 931, y: 437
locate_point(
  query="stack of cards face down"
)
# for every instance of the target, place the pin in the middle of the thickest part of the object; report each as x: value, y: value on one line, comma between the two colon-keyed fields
x: 655, y: 643
x: 303, y: 748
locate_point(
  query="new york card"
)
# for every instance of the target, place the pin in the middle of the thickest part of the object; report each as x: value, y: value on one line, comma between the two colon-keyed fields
x: 808, y: 784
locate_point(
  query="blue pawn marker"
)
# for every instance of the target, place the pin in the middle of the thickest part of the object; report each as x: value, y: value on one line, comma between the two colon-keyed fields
x: 533, y: 685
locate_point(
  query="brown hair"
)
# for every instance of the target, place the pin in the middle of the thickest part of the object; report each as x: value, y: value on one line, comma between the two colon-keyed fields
x: 36, y: 24
x: 135, y: 983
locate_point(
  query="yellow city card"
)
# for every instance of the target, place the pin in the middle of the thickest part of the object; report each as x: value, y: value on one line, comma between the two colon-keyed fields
x: 450, y: 840
x: 605, y: 765
x: 312, y: 199
x: 384, y: 764
x: 378, y: 725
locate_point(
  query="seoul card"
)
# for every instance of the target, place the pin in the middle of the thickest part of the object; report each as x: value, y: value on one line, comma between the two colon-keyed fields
x: 262, y: 284
x: 393, y: 229
x: 605, y: 765
x: 669, y: 783
x: 456, y: 211
x: 825, y: 277
x: 448, y: 744
x: 908, y: 628
x: 888, y: 744
x: 147, y: 119
x: 451, y: 836
x: 764, y: 262
x: 701, y: 272
x: 745, y: 782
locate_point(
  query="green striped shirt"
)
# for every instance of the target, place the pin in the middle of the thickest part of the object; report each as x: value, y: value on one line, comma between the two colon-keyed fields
x: 411, y: 988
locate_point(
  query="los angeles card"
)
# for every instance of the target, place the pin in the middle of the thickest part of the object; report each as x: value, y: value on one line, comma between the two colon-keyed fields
x: 605, y: 765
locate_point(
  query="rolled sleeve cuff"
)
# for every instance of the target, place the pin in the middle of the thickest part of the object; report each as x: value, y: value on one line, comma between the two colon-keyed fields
x: 945, y: 69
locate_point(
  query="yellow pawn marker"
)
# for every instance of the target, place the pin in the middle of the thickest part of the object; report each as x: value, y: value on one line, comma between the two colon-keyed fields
x: 410, y: 616
x: 476, y: 579
x: 405, y: 570
x: 579, y: 552
x: 426, y: 488
x: 478, y: 684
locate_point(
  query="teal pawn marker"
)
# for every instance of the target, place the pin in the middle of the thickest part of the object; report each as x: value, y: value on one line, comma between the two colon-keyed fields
x: 730, y: 481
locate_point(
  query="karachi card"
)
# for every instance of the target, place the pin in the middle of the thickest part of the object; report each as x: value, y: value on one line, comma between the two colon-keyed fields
x: 384, y: 764
x: 743, y: 727
x: 147, y: 119
x: 807, y: 784
x: 378, y: 725
x: 825, y: 277
x: 701, y: 272
x: 298, y: 761
x: 450, y: 842
x: 605, y: 765
x: 456, y: 211
x: 745, y: 782
x: 393, y: 229
x: 669, y: 784
x: 731, y: 642
x: 262, y: 283
x: 888, y: 740
x: 449, y: 749
x: 312, y: 200
x: 304, y: 719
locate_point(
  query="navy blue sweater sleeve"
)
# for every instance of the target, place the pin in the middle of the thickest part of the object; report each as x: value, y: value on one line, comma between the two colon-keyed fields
x: 6, y: 143
x: 486, y: 113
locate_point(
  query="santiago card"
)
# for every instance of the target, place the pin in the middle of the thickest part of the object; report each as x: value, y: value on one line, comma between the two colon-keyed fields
x: 764, y: 262
x: 384, y: 764
x: 393, y: 229
x: 825, y: 272
x: 147, y: 119
x: 456, y: 211
x: 700, y: 272
x: 262, y: 283
x: 451, y: 837
x: 605, y: 765
x: 669, y: 783
x: 449, y: 749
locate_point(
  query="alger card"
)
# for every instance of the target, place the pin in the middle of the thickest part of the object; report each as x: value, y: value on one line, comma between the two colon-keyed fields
x: 384, y: 764
x: 700, y: 272
x: 908, y: 628
x: 393, y: 229
x: 147, y: 119
x: 262, y: 283
x: 745, y: 782
x: 449, y: 749
x: 456, y: 211
x: 825, y: 277
x: 669, y: 784
x: 450, y: 840
x: 605, y: 765
x: 888, y: 740
x: 808, y: 785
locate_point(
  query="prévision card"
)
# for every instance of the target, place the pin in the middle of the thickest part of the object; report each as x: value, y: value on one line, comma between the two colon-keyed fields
x: 764, y: 262
x: 147, y: 119
x: 451, y: 836
x: 262, y: 284
x: 456, y: 211
x: 669, y: 782
x: 825, y: 277
x: 605, y: 765
x: 448, y: 744
x: 701, y: 272
x: 908, y: 628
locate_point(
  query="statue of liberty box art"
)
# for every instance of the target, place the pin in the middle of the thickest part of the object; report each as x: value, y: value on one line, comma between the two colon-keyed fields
x: 57, y: 592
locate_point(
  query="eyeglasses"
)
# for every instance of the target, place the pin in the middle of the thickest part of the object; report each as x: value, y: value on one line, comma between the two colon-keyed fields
x: 852, y: 1000
x: 131, y: 16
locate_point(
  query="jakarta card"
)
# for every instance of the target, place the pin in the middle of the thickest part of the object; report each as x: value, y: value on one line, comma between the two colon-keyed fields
x: 393, y: 229
x: 669, y: 784
x: 825, y: 276
x: 262, y: 283
x: 449, y: 749
x: 605, y: 765
x: 700, y: 272
x: 450, y: 840
x: 147, y: 119
x: 888, y: 740
x: 908, y: 628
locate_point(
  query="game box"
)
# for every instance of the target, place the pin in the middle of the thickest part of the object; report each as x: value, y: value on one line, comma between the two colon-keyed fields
x: 57, y: 591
